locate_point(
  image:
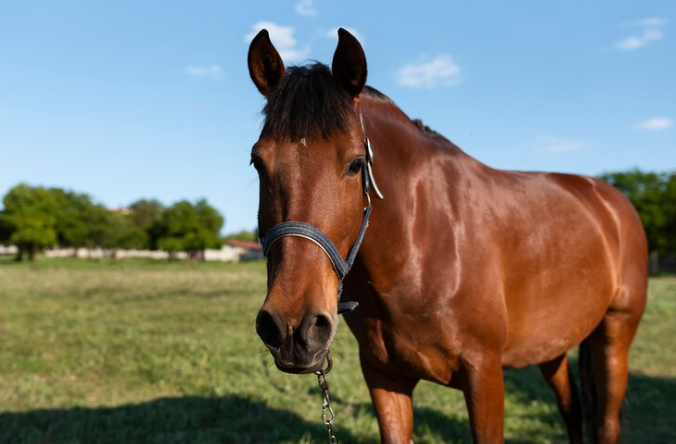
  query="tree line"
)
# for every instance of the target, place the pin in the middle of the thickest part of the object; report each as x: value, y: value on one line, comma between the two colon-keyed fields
x: 654, y: 197
x: 35, y: 218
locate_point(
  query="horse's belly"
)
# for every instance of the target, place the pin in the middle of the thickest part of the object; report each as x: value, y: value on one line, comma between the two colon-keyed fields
x: 559, y: 283
x: 555, y: 322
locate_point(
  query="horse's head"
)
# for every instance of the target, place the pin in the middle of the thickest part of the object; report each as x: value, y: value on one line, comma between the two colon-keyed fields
x: 310, y: 158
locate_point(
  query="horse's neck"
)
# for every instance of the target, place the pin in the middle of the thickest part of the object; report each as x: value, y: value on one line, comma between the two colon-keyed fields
x: 405, y: 154
x: 422, y: 178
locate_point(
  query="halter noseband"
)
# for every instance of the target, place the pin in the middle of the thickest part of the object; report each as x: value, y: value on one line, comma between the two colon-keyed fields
x: 314, y: 234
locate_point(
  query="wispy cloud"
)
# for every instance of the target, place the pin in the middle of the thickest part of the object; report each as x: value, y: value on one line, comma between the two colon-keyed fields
x: 440, y: 71
x: 283, y: 39
x: 649, y: 32
x: 652, y: 21
x: 306, y: 8
x: 654, y: 124
x: 553, y: 144
x: 213, y: 72
x: 333, y: 33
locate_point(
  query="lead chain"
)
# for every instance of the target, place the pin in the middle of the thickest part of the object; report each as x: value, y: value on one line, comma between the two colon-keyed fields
x: 327, y: 411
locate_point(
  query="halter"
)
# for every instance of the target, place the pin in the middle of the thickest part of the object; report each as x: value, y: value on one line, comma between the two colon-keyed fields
x: 302, y: 229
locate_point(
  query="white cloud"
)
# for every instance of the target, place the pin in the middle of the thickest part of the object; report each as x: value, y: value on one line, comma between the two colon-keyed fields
x: 639, y: 41
x: 440, y: 71
x: 306, y: 8
x: 283, y: 39
x: 654, y: 124
x: 333, y: 33
x: 652, y: 21
x: 650, y: 32
x: 213, y: 71
x: 553, y: 144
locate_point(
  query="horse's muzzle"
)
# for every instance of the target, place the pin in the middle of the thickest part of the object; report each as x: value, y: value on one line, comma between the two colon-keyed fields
x: 296, y: 349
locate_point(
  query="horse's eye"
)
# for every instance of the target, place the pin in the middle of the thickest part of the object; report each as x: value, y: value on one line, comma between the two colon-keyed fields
x: 257, y: 164
x: 355, y: 166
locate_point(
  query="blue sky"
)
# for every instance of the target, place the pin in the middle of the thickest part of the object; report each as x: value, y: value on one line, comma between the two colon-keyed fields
x: 132, y: 99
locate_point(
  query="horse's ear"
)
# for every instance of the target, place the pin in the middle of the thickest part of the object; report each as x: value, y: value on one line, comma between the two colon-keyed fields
x: 265, y: 65
x: 349, y: 63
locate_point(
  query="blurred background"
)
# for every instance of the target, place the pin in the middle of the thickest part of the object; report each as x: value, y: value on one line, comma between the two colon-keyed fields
x: 125, y: 136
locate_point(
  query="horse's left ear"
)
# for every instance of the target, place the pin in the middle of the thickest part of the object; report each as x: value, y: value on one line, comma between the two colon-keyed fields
x: 265, y: 65
x: 349, y: 63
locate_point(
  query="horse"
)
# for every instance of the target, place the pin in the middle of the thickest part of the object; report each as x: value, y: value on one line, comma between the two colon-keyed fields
x: 464, y: 269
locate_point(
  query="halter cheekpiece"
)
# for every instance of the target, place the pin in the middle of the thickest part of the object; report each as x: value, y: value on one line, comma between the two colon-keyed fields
x: 314, y: 234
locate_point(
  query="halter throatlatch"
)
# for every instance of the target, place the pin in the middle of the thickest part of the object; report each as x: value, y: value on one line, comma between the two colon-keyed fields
x: 314, y: 234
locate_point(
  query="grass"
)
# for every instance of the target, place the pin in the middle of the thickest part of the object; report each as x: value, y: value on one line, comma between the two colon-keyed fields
x: 148, y: 352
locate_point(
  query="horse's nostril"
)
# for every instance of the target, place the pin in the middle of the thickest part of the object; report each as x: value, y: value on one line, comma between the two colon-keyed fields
x: 315, y: 331
x: 269, y: 328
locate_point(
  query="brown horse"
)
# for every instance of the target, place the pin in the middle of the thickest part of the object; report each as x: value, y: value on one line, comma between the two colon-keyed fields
x: 463, y: 270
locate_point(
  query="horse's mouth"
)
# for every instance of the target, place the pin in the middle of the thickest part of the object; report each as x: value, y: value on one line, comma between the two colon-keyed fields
x: 301, y: 369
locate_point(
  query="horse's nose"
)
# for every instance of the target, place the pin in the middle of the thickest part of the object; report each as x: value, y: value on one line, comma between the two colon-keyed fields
x: 270, y: 328
x: 295, y: 345
x: 314, y: 332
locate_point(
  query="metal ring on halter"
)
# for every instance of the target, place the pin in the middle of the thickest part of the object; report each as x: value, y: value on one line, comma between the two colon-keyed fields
x: 329, y: 365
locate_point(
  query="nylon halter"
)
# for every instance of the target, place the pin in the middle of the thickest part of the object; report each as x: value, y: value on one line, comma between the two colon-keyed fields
x: 303, y: 229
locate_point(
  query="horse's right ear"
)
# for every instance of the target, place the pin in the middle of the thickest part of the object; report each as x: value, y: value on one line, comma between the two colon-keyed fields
x: 349, y: 63
x: 265, y: 65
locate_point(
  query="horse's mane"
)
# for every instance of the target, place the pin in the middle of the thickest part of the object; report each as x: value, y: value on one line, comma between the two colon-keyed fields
x: 309, y: 103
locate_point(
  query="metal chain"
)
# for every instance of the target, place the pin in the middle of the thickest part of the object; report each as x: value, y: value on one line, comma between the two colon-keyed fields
x: 327, y: 411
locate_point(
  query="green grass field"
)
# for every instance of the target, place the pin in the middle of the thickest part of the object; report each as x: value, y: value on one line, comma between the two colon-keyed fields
x: 141, y: 352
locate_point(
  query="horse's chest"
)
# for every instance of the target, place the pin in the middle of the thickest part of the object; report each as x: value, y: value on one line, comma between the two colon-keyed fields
x: 407, y: 349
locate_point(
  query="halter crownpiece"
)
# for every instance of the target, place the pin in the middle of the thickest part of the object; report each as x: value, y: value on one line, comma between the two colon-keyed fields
x: 303, y: 229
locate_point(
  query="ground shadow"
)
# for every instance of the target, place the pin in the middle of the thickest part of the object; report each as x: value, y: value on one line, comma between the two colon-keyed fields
x: 231, y: 419
x: 647, y: 415
x: 649, y: 412
x: 648, y: 418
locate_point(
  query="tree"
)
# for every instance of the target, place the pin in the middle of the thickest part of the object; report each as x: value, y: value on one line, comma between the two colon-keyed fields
x: 646, y: 193
x: 122, y: 233
x: 5, y: 231
x: 190, y: 228
x: 654, y: 197
x: 71, y: 224
x: 245, y: 235
x: 147, y: 215
x: 99, y: 221
x: 669, y: 207
x: 29, y: 219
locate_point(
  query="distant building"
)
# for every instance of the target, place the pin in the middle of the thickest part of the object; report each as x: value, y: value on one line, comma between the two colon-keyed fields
x: 247, y: 250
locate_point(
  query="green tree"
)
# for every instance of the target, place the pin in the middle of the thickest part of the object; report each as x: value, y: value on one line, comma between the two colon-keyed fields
x: 191, y: 228
x: 5, y: 231
x: 122, y: 233
x: 29, y: 219
x: 645, y: 190
x: 99, y: 220
x: 147, y: 215
x: 654, y: 197
x: 669, y: 208
x: 244, y: 235
x: 71, y: 224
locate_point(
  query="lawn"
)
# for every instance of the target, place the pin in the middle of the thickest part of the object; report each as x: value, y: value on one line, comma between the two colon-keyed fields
x: 148, y: 352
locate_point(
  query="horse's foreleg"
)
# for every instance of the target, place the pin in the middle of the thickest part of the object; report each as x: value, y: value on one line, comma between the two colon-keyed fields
x: 559, y: 377
x: 391, y: 396
x: 483, y: 386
